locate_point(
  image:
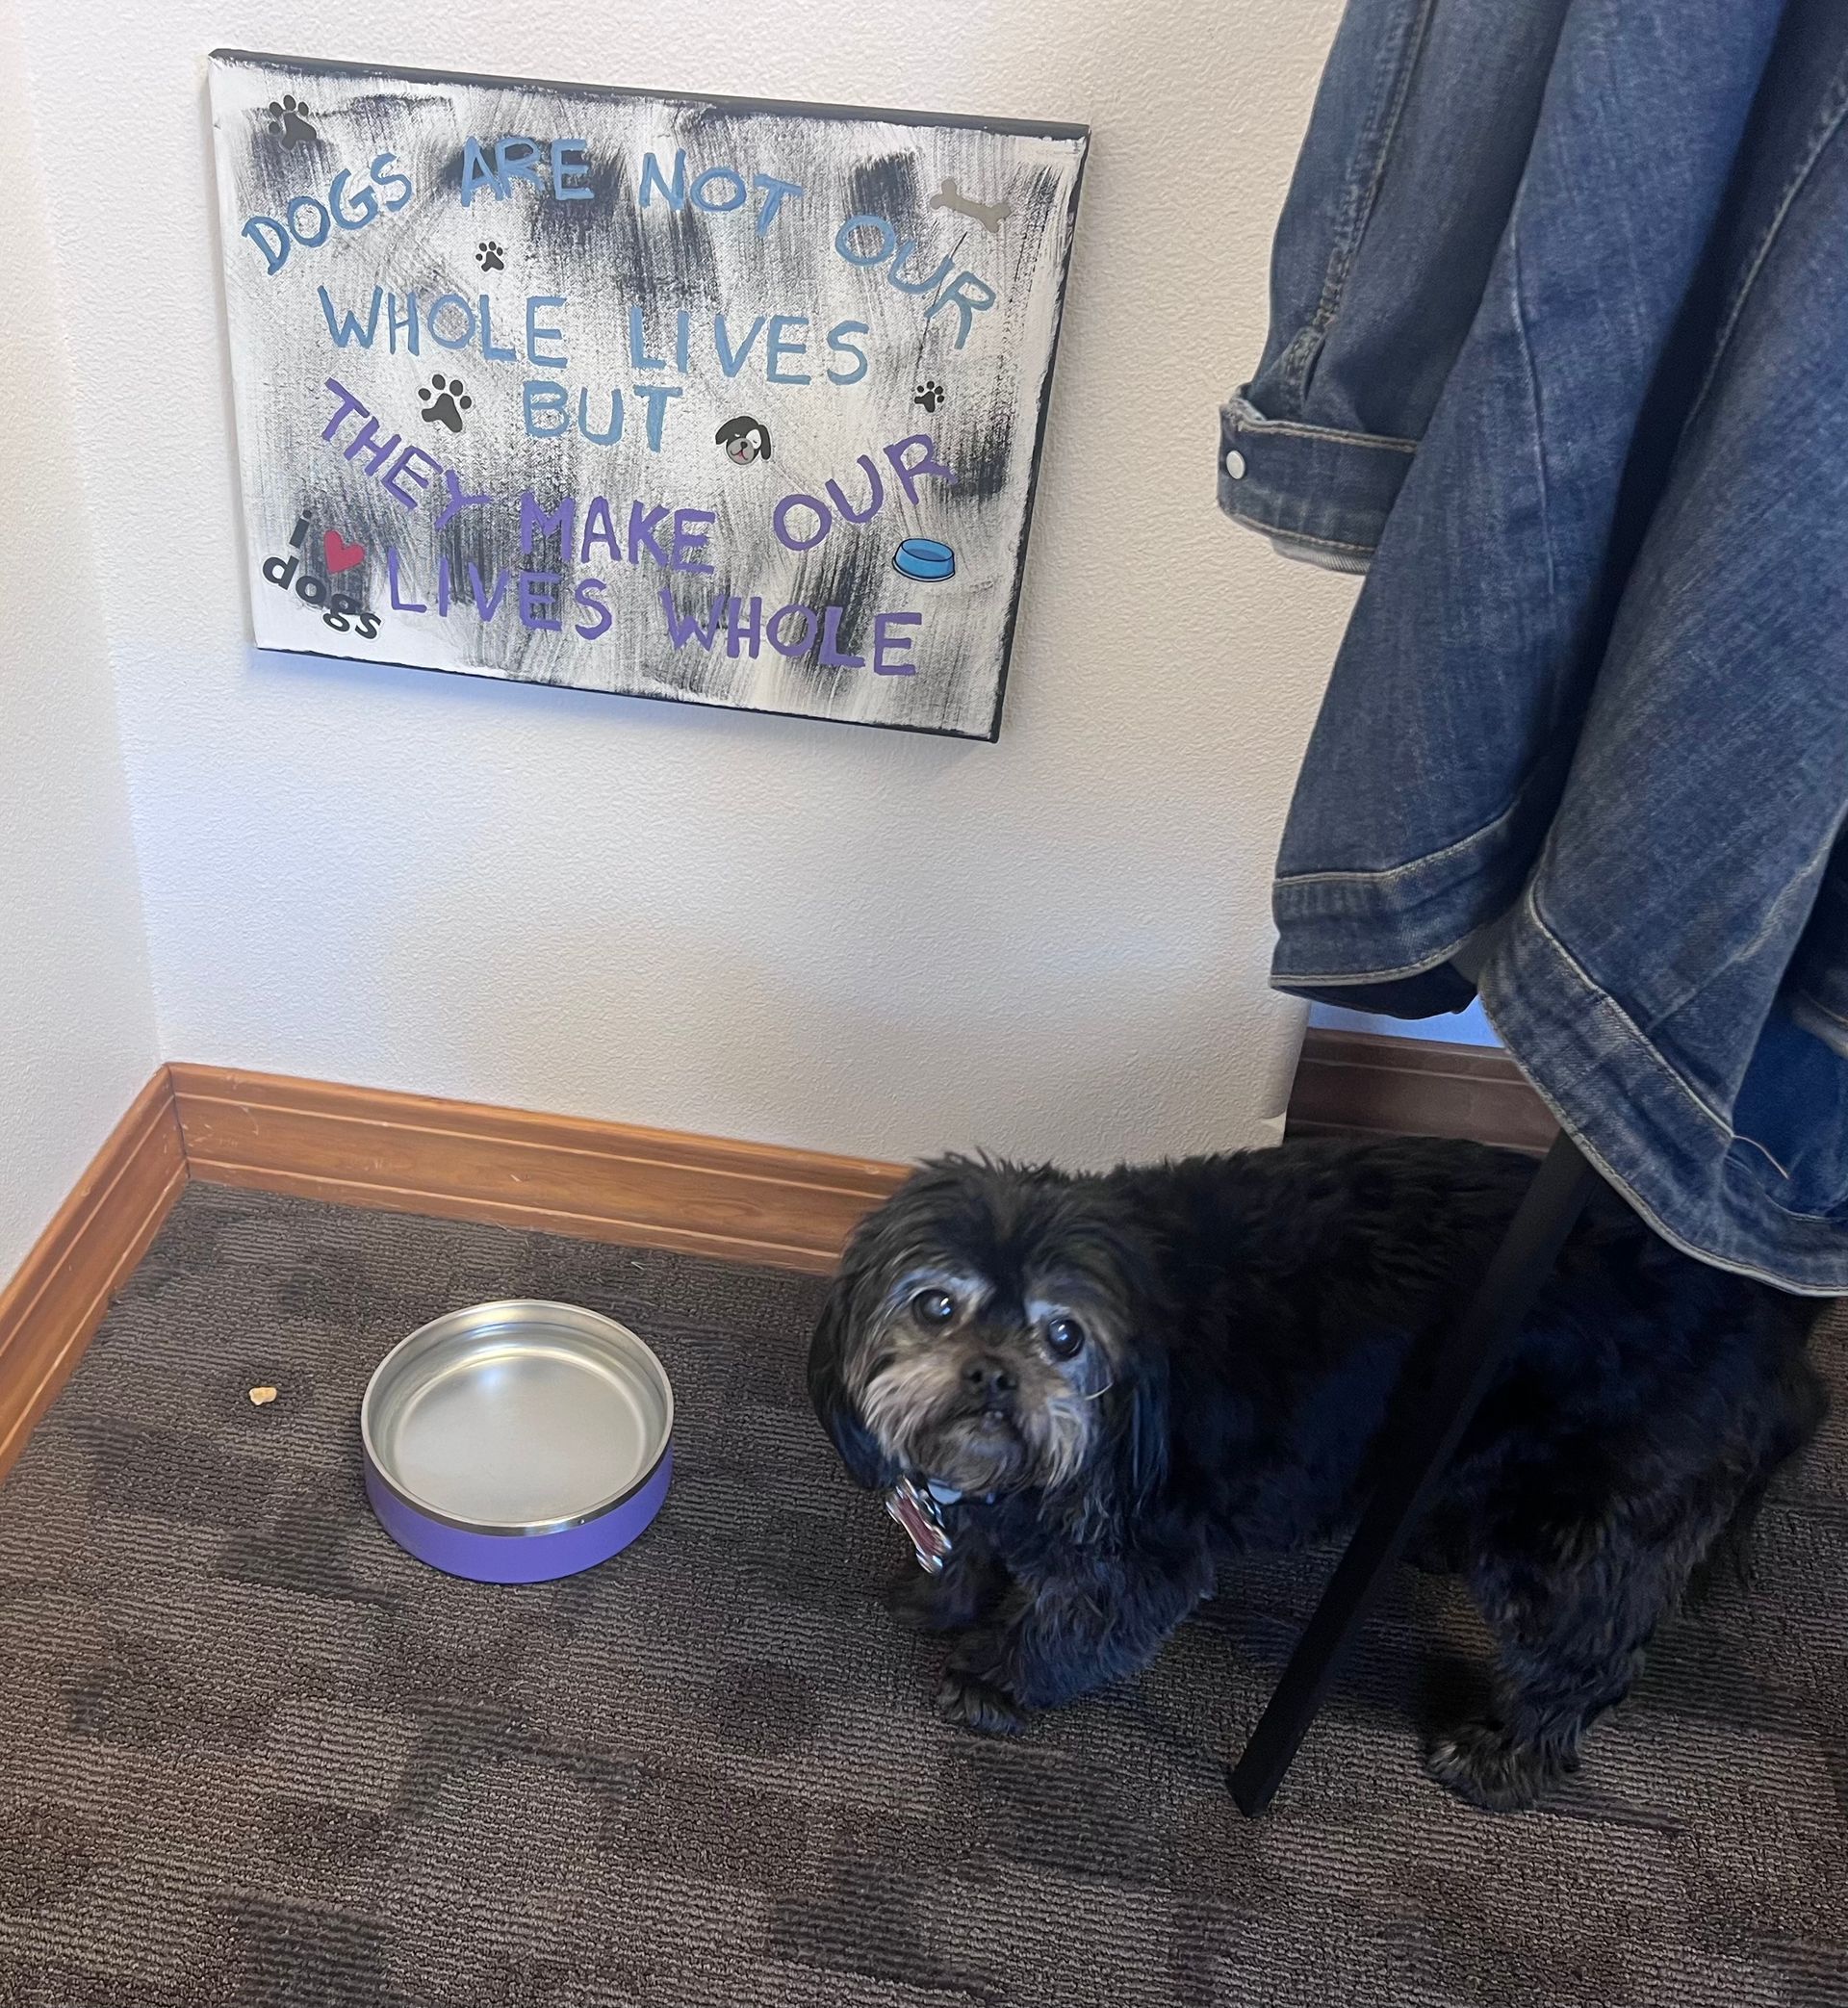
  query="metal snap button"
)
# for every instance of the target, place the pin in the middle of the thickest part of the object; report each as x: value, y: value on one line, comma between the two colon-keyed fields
x: 1235, y: 464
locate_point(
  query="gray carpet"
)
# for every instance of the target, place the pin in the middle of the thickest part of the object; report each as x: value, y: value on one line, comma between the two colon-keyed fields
x: 251, y: 1752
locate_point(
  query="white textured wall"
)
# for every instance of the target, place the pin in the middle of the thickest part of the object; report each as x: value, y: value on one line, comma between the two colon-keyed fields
x: 751, y: 926
x: 76, y: 1011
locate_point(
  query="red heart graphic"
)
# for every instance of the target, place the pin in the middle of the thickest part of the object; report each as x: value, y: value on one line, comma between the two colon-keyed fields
x: 341, y: 556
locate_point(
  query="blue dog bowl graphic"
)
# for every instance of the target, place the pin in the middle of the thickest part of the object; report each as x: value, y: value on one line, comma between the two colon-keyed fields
x: 924, y: 557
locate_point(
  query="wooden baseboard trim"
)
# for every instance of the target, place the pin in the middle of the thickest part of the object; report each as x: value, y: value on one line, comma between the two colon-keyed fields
x: 1359, y: 1083
x: 58, y: 1296
x: 600, y: 1181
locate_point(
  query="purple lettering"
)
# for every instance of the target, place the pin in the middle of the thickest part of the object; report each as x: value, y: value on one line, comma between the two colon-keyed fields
x: 349, y: 404
x: 402, y: 605
x: 689, y: 543
x: 642, y: 525
x: 753, y: 628
x: 405, y: 466
x: 366, y: 442
x: 489, y: 606
x: 685, y: 627
x: 806, y: 616
x: 780, y: 521
x: 830, y: 655
x: 600, y: 529
x: 538, y: 600
x: 908, y: 471
x: 889, y: 649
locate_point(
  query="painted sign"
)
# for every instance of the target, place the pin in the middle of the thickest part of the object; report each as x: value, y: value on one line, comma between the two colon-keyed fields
x: 733, y: 403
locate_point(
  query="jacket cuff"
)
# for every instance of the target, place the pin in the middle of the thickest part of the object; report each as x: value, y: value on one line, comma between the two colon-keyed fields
x: 1318, y: 493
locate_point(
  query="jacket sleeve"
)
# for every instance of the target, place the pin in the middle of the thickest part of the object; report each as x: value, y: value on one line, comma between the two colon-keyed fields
x: 1401, y: 196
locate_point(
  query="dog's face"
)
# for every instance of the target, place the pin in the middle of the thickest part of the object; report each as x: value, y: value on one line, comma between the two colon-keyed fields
x: 985, y: 1330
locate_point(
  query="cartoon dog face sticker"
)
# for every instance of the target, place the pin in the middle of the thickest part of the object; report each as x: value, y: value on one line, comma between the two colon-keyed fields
x: 744, y: 440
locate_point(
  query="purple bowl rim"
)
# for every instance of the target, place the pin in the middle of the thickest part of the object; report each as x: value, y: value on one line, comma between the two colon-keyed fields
x: 533, y: 1530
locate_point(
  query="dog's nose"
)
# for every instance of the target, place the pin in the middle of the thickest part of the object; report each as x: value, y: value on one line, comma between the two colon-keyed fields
x: 989, y: 1377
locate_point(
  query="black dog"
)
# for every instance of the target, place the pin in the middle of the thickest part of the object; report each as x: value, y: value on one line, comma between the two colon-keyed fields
x: 1113, y: 1380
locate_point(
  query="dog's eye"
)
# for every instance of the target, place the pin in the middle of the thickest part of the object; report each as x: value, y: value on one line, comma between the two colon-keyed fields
x: 1066, y: 1337
x: 933, y: 1307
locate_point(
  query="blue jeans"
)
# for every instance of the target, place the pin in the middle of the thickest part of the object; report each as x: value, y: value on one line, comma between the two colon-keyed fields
x: 1560, y: 357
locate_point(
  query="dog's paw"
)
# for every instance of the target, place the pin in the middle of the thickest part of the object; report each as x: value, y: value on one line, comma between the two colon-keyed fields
x: 1484, y: 1764
x: 973, y: 1704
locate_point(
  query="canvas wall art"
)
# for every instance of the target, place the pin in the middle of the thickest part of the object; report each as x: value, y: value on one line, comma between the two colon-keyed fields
x: 733, y: 403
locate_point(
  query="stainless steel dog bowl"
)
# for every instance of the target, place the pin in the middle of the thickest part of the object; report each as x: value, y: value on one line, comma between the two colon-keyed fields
x: 514, y: 1442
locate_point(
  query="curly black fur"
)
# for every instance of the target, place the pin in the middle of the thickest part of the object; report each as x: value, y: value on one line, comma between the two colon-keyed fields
x: 1254, y: 1321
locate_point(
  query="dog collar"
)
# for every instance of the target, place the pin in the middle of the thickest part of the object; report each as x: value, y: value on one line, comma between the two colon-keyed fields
x: 915, y: 1505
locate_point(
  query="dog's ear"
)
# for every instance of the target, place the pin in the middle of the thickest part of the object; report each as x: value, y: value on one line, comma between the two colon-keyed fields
x: 828, y: 1352
x: 1146, y: 1428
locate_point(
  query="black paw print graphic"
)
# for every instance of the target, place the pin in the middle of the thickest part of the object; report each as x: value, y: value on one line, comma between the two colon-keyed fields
x: 929, y: 394
x: 490, y: 256
x: 444, y: 401
x: 289, y: 117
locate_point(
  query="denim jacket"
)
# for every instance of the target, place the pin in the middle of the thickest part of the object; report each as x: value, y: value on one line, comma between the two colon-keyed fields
x: 1559, y: 356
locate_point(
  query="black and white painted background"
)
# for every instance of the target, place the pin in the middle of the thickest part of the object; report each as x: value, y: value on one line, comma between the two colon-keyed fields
x: 287, y: 130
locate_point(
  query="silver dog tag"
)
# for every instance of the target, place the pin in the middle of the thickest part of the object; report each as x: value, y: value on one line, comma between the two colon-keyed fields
x: 917, y: 1512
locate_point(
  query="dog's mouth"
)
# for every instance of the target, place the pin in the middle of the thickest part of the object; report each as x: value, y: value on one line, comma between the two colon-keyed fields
x: 979, y: 1452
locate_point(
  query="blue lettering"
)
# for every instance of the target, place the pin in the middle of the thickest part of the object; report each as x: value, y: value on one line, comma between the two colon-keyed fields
x: 969, y: 296
x: 405, y: 323
x: 462, y: 307
x: 535, y: 334
x: 639, y: 355
x: 839, y: 342
x: 548, y: 397
x: 614, y: 432
x: 732, y: 361
x: 887, y: 240
x: 776, y: 191
x: 905, y: 253
x: 364, y: 209
x: 716, y: 208
x: 565, y: 170
x: 517, y: 160
x: 348, y: 327
x: 274, y: 255
x: 300, y: 202
x: 476, y: 174
x: 656, y: 396
x: 403, y: 181
x: 675, y: 191
x: 780, y: 345
x: 488, y: 348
